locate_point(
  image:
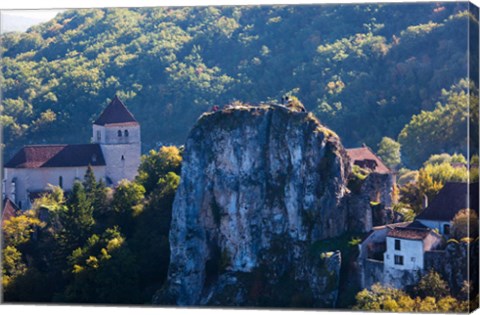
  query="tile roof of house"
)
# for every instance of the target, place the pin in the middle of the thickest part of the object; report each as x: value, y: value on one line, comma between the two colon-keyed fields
x: 9, y: 210
x: 115, y: 113
x: 412, y: 231
x: 59, y: 155
x: 364, y: 153
x: 452, y: 198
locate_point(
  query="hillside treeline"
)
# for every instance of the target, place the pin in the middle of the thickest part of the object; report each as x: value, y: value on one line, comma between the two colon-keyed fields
x: 365, y: 70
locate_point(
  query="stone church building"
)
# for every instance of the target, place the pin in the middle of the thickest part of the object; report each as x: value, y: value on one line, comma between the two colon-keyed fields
x: 114, y: 154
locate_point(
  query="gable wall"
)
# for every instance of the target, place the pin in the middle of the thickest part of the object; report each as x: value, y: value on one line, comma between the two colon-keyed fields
x: 408, y: 249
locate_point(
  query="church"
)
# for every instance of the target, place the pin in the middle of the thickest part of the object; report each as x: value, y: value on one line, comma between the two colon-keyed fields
x: 114, y: 154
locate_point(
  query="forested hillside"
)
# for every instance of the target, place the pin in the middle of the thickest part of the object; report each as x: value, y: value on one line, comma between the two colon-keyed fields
x: 365, y: 70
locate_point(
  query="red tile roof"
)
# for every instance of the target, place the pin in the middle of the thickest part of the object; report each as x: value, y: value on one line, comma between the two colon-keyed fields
x: 9, y: 210
x: 61, y: 155
x: 364, y: 154
x: 413, y: 231
x: 115, y: 113
x: 452, y: 198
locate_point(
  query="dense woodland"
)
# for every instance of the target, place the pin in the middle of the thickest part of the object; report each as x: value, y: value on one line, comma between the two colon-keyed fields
x: 391, y: 76
x: 367, y: 71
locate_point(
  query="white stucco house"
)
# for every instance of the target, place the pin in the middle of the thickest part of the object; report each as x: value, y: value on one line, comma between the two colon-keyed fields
x: 406, y: 246
x: 394, y: 254
x: 114, y: 154
x: 452, y: 198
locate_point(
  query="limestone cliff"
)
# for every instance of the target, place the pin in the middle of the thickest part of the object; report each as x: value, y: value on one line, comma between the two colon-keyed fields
x: 259, y: 186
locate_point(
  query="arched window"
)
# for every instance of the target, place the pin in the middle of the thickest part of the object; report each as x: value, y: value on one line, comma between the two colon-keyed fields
x: 99, y: 135
x: 13, y: 190
x: 123, y: 158
x: 125, y: 133
x: 60, y: 181
x: 119, y: 133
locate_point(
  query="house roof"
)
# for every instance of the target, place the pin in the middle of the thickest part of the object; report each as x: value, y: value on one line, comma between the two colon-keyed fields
x: 57, y: 155
x: 452, y: 198
x: 364, y: 153
x: 413, y: 231
x: 115, y: 113
x: 9, y: 210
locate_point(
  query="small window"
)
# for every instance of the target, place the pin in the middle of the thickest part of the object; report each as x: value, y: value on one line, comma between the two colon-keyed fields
x: 123, y: 158
x: 60, y: 181
x: 119, y: 133
x: 99, y: 135
x: 398, y: 260
x: 125, y: 133
x: 397, y: 244
x: 446, y: 229
x: 94, y: 158
x: 413, y: 259
x: 13, y: 190
x: 20, y: 204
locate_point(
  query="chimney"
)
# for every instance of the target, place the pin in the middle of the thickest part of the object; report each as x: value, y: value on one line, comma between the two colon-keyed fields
x: 425, y: 201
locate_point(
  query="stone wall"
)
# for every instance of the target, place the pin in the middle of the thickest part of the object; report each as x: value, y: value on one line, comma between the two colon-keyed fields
x: 369, y: 201
x: 371, y: 272
x: 455, y: 264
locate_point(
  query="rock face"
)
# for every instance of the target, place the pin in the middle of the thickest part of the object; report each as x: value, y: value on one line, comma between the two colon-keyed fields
x: 259, y: 186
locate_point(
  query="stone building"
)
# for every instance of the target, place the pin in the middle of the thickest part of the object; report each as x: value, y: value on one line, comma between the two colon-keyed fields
x: 382, y: 179
x: 399, y: 254
x: 114, y: 154
x: 394, y: 254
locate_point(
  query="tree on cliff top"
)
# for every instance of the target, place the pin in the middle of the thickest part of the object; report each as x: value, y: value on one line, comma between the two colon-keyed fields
x: 465, y: 224
x: 389, y: 152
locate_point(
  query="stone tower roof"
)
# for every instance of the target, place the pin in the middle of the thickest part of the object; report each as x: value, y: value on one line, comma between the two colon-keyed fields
x: 57, y: 155
x: 363, y: 155
x: 115, y: 113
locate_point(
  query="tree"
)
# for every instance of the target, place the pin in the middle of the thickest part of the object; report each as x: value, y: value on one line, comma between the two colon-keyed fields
x: 389, y: 152
x: 436, y: 159
x: 421, y: 137
x: 12, y: 265
x: 465, y: 224
x: 127, y: 204
x: 77, y: 218
x: 96, y: 192
x: 432, y: 285
x: 18, y: 230
x: 156, y: 165
x: 380, y: 298
x: 104, y: 271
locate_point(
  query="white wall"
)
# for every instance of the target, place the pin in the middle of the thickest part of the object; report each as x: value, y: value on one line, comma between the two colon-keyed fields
x: 436, y: 225
x: 408, y: 249
x: 37, y: 179
x: 114, y: 147
x: 109, y: 134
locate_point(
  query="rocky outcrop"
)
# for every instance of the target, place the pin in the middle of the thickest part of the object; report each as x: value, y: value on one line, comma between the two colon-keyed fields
x: 259, y: 186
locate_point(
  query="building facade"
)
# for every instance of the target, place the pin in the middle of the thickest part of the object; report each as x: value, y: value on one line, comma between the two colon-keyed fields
x: 114, y: 154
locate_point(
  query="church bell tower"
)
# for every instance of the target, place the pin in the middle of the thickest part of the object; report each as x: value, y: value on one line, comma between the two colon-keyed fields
x: 118, y: 133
